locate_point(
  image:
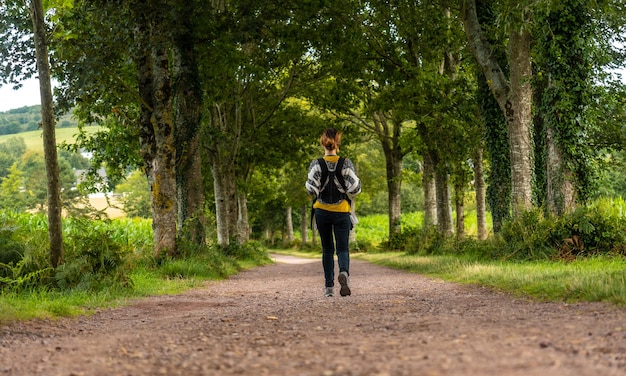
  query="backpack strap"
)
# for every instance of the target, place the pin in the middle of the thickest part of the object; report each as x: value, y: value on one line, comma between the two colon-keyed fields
x: 340, y: 178
x: 339, y: 175
x: 324, y: 168
x: 324, y: 177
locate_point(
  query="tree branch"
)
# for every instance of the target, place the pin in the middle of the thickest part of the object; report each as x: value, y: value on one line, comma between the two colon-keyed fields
x: 483, y: 54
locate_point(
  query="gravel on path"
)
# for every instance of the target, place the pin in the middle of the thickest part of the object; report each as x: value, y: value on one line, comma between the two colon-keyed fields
x: 274, y: 320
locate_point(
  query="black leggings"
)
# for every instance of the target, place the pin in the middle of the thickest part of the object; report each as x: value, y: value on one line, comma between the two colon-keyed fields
x: 339, y: 225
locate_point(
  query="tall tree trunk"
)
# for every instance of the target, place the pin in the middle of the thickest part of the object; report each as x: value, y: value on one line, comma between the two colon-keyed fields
x: 514, y: 99
x: 266, y: 233
x: 225, y: 199
x: 564, y: 54
x: 221, y: 207
x: 143, y: 62
x: 230, y: 179
x: 243, y: 225
x: 496, y: 134
x: 164, y: 165
x: 444, y: 202
x: 520, y: 120
x: 459, y: 203
x: 560, y: 189
x: 223, y: 149
x: 479, y: 187
x: 55, y: 206
x: 430, y: 192
x: 158, y: 149
x: 449, y: 68
x: 304, y: 224
x: 187, y: 105
x: 394, y: 168
x: 388, y: 131
x: 289, y: 224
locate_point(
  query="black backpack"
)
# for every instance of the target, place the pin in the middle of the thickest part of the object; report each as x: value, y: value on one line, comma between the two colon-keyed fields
x: 330, y: 193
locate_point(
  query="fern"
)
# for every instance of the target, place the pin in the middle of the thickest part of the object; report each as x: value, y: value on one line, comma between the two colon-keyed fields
x: 18, y: 277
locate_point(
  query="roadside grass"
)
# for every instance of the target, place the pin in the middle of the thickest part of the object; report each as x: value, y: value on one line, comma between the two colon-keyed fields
x: 45, y: 303
x: 106, y: 264
x: 126, y: 245
x: 173, y: 277
x: 596, y: 279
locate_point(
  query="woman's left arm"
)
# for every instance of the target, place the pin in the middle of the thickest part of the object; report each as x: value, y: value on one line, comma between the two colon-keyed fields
x: 353, y: 183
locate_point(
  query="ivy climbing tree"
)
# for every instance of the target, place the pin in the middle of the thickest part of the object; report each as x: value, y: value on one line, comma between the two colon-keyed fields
x: 565, y: 70
x: 495, y: 130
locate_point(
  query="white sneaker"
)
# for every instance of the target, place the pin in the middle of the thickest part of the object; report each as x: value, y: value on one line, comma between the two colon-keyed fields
x: 329, y: 292
x: 344, y: 281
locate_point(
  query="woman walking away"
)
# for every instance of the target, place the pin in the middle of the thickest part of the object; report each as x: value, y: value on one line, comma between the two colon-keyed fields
x: 333, y: 184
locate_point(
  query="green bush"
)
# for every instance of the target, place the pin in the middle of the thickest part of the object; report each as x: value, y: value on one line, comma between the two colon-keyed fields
x: 420, y: 241
x: 94, y: 257
x: 527, y: 237
x: 250, y: 251
x: 11, y: 249
x: 23, y: 255
x: 597, y: 229
x: 102, y: 255
x: 17, y: 276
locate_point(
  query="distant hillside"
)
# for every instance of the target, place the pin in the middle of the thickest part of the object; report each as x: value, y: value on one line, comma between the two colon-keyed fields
x: 33, y: 139
x: 27, y: 119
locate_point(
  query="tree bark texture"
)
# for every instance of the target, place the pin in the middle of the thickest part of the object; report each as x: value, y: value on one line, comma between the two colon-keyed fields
x: 289, y: 224
x: 430, y: 192
x: 518, y: 111
x: 459, y: 206
x: 221, y: 187
x: 164, y: 172
x: 560, y: 189
x: 243, y: 223
x: 496, y: 134
x: 55, y: 206
x: 389, y: 135
x: 158, y: 150
x: 225, y: 129
x: 514, y: 100
x: 304, y: 223
x: 394, y: 185
x: 444, y: 202
x: 479, y: 187
x: 188, y: 106
x: 564, y: 57
x: 450, y: 65
x: 143, y: 61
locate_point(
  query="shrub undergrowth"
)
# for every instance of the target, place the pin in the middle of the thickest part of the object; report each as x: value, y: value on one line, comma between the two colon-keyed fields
x: 593, y: 230
x: 104, y: 254
x: 105, y: 259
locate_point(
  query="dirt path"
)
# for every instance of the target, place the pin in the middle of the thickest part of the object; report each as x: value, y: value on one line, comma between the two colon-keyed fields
x: 274, y: 320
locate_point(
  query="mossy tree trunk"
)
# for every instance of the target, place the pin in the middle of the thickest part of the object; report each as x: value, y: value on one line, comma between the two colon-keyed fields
x: 55, y: 206
x: 158, y: 148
